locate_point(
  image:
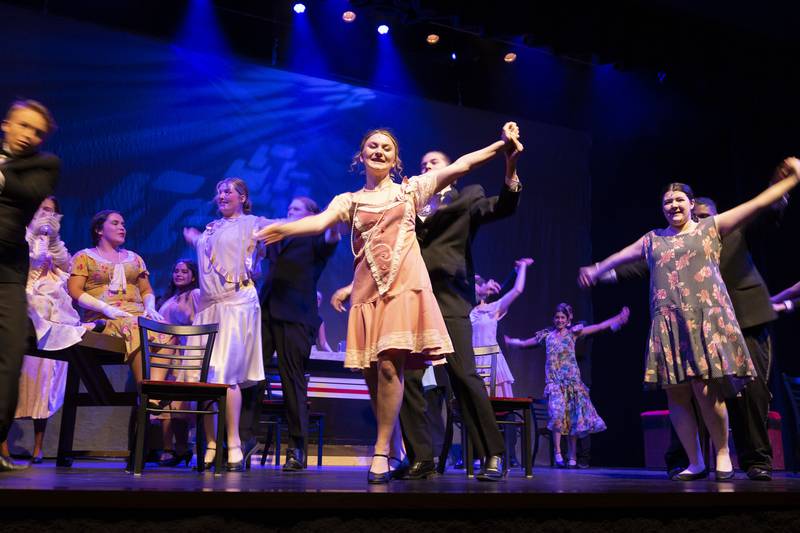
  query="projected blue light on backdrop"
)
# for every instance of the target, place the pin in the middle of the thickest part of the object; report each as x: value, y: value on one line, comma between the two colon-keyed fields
x: 148, y: 128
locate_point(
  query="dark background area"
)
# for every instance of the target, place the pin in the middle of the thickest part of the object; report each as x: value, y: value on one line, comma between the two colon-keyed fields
x: 665, y: 91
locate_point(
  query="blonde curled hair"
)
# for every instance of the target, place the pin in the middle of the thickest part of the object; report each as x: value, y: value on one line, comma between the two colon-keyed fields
x: 397, y: 169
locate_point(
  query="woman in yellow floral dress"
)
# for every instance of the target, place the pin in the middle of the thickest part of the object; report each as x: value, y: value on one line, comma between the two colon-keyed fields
x: 111, y: 283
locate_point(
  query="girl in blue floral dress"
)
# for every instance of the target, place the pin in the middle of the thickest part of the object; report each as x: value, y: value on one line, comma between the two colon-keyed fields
x: 696, y: 349
x: 569, y: 407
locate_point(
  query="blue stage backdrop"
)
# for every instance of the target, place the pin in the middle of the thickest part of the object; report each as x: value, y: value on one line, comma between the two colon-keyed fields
x: 148, y: 128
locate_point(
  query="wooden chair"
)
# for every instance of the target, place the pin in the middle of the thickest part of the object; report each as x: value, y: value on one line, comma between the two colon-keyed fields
x: 273, y: 417
x: 512, y: 414
x: 187, y: 357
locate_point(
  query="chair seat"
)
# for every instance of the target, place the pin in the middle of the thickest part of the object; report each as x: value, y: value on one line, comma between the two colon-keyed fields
x: 182, y: 385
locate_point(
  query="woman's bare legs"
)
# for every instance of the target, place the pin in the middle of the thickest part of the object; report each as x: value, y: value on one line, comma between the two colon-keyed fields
x: 679, y: 399
x: 715, y: 416
x: 233, y: 410
x: 387, y: 379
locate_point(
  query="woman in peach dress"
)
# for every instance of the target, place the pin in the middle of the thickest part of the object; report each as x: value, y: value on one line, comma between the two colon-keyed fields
x: 394, y: 319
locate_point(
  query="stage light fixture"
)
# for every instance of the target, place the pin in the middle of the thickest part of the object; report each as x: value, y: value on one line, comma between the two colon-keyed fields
x: 453, y: 56
x: 432, y: 38
x: 510, y: 57
x: 383, y: 29
x: 299, y: 7
x: 348, y: 16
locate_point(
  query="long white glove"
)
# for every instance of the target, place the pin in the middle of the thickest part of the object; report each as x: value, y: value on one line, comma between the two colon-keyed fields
x: 150, y: 308
x: 87, y: 301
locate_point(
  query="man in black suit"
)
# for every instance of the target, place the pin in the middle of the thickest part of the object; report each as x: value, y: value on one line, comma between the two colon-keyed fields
x: 750, y: 297
x: 290, y: 322
x: 27, y: 176
x: 446, y: 229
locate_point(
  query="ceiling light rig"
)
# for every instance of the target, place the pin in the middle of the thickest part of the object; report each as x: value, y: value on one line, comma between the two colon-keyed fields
x: 432, y: 39
x: 348, y: 16
x: 510, y: 57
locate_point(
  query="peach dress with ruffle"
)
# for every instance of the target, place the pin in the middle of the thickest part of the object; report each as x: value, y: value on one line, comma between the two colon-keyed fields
x: 392, y: 303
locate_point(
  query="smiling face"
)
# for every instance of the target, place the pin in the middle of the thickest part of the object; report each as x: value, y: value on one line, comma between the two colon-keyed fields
x: 24, y: 130
x: 379, y: 154
x: 677, y: 208
x: 182, y: 275
x: 113, y: 230
x: 229, y: 201
x: 560, y: 320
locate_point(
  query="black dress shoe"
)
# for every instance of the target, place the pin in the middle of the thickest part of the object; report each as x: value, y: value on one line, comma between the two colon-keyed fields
x: 294, y: 460
x: 757, y: 473
x: 420, y: 470
x: 492, y: 469
x: 9, y: 465
x: 691, y: 477
x: 723, y: 475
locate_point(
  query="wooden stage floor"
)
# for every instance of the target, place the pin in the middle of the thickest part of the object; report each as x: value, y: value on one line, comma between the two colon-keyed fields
x: 104, y: 485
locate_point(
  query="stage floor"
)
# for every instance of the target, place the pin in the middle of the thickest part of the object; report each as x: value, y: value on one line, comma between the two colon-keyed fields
x: 104, y: 484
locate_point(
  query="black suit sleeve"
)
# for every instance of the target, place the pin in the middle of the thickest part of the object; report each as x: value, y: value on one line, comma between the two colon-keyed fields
x: 38, y: 183
x: 324, y: 249
x: 636, y: 270
x: 496, y: 207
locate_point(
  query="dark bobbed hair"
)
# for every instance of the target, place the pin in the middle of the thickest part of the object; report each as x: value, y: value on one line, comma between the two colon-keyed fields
x: 173, y: 289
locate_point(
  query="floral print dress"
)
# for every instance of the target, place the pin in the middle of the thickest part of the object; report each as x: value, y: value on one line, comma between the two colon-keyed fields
x: 569, y: 407
x: 694, y: 332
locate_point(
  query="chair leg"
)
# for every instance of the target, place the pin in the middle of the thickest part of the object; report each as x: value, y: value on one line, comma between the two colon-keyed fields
x: 199, y: 441
x: 469, y: 459
x: 278, y: 442
x: 267, y: 444
x: 320, y: 442
x: 526, y: 442
x: 448, y: 441
x: 221, y: 409
x: 141, y: 429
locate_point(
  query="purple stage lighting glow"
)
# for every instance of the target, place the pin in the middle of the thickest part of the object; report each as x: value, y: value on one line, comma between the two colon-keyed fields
x: 383, y: 29
x: 299, y: 8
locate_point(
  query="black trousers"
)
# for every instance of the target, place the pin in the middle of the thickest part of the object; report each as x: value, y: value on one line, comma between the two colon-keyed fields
x: 292, y: 341
x: 420, y: 447
x: 747, y: 411
x: 13, y: 340
x: 468, y: 388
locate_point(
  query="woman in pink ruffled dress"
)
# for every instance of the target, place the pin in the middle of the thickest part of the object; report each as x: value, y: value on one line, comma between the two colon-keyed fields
x: 394, y: 319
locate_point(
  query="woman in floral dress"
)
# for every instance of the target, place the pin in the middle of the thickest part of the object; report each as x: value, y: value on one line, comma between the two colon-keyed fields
x: 569, y: 407
x: 394, y: 319
x: 695, y: 348
x: 110, y: 282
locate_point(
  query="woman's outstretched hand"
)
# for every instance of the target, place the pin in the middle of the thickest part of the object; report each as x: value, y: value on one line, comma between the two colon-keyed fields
x: 621, y: 319
x: 523, y: 262
x: 587, y: 276
x: 269, y: 234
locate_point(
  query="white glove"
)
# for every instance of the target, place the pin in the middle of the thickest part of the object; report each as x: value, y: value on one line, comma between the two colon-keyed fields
x: 87, y: 301
x: 150, y: 308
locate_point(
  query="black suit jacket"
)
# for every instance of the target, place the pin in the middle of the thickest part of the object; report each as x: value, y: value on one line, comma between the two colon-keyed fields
x: 746, y: 287
x: 446, y: 242
x: 28, y: 181
x: 290, y: 289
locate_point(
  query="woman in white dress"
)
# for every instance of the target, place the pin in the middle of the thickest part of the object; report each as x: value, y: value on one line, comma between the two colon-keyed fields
x: 228, y: 258
x: 484, y: 318
x: 57, y: 324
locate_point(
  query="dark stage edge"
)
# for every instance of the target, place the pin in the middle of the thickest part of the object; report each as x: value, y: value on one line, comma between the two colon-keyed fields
x: 102, y: 484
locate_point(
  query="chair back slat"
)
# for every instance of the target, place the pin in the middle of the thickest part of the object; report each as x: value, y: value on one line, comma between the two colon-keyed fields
x: 488, y: 372
x: 175, y: 356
